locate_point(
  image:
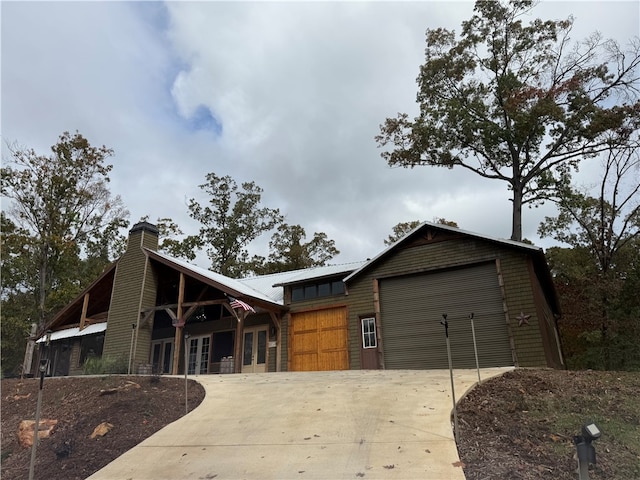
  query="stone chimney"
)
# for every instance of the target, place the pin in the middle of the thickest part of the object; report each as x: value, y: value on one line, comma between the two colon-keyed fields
x: 134, y: 289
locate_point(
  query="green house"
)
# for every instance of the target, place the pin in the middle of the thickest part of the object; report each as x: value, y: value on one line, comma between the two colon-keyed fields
x: 152, y: 313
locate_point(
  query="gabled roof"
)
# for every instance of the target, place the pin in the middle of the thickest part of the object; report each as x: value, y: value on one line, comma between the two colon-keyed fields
x: 539, y: 260
x: 100, y: 291
x: 439, y: 226
x: 228, y: 285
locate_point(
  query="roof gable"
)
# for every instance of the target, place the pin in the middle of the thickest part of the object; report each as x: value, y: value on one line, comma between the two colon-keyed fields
x: 428, y: 232
x: 228, y: 285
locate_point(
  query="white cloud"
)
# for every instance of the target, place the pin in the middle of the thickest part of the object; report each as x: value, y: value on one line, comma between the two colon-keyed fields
x: 289, y: 94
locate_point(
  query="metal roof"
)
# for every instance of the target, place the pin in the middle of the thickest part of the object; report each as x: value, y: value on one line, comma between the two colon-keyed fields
x: 510, y: 243
x: 231, y: 283
x: 272, y: 284
x: 75, y: 332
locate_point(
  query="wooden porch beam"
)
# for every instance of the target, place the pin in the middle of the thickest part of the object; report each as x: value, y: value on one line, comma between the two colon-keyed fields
x: 276, y: 322
x: 237, y: 351
x: 178, y: 337
x: 85, y: 306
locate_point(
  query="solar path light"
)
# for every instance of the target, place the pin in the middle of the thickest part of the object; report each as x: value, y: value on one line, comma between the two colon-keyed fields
x: 586, y: 451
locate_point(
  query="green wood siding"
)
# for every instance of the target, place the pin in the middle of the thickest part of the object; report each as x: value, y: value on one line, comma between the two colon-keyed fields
x: 454, y: 252
x: 134, y: 289
x: 412, y: 307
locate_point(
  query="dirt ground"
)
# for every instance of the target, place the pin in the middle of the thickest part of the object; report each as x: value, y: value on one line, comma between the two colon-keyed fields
x: 521, y: 425
x: 137, y: 407
x: 518, y: 426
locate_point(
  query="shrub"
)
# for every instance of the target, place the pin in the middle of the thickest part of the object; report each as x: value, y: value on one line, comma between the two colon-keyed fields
x: 100, y: 365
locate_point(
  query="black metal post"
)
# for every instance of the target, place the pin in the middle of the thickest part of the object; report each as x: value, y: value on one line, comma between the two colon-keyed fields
x: 475, y: 347
x: 453, y: 390
x: 44, y: 363
x: 186, y: 370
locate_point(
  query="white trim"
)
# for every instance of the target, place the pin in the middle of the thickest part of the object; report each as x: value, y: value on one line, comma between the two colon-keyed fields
x: 75, y: 332
x: 375, y: 336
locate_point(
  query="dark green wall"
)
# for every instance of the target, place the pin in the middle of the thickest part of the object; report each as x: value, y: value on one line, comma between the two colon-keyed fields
x: 518, y: 289
x: 134, y: 289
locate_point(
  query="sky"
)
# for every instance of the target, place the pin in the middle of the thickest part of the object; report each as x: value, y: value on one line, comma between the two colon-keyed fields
x: 287, y: 94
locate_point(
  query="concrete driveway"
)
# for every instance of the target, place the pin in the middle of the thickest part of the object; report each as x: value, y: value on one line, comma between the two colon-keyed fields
x: 375, y: 424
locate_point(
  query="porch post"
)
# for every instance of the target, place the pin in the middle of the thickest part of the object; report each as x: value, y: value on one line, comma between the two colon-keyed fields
x: 237, y: 353
x: 180, y: 324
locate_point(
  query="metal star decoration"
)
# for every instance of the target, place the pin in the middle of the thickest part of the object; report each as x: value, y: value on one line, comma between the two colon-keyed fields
x: 523, y: 319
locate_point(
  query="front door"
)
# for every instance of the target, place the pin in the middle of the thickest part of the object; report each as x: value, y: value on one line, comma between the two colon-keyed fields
x: 162, y: 356
x: 254, y: 352
x: 199, y: 355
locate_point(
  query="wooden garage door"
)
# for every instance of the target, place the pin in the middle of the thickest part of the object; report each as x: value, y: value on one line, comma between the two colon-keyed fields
x: 412, y: 308
x: 319, y: 340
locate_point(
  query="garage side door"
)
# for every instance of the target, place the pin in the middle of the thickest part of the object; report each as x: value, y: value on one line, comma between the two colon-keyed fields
x: 319, y: 340
x: 412, y: 308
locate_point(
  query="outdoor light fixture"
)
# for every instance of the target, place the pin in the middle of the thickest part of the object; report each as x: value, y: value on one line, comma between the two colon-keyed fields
x: 586, y: 451
x: 591, y: 432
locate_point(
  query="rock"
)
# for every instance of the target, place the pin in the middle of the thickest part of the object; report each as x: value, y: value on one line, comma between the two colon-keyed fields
x: 26, y: 430
x: 101, y: 430
x: 122, y: 388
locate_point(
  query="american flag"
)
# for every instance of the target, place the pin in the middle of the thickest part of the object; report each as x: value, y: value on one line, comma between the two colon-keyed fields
x: 239, y: 304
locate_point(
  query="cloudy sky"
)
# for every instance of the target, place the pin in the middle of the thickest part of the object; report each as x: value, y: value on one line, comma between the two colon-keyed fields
x: 289, y: 94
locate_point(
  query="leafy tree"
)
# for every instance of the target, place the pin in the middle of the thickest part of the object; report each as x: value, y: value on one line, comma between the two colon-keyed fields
x: 604, y: 233
x: 60, y: 229
x: 63, y: 212
x: 402, y: 228
x: 516, y: 102
x: 169, y: 232
x: 232, y: 220
x: 290, y: 252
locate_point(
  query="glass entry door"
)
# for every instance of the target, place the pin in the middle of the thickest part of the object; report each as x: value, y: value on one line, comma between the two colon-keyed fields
x: 254, y: 353
x: 162, y: 356
x: 199, y: 348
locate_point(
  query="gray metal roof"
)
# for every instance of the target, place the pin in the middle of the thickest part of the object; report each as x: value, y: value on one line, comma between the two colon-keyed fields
x: 272, y: 285
x: 440, y: 226
x: 231, y: 283
x: 264, y: 287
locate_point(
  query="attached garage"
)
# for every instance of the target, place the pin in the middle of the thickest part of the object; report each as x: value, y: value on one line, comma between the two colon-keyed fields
x: 412, y: 307
x: 319, y: 340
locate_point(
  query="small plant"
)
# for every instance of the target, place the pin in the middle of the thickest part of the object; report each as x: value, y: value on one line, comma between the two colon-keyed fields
x: 102, y: 365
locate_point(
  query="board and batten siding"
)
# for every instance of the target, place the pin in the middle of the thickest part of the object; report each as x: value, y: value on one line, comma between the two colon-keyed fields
x: 134, y: 288
x: 458, y: 251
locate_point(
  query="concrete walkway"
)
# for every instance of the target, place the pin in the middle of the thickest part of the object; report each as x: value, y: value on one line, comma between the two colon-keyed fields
x: 380, y: 424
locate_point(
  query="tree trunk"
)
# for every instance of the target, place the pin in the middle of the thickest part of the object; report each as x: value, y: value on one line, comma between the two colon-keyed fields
x: 516, y: 214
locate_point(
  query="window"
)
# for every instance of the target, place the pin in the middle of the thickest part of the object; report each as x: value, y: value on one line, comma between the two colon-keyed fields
x: 91, y: 346
x: 369, y: 333
x: 316, y: 290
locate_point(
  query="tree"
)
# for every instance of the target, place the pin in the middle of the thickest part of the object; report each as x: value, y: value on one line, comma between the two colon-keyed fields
x: 288, y: 251
x: 63, y: 213
x: 516, y: 103
x: 59, y: 231
x: 402, y: 228
x: 604, y: 233
x: 168, y: 233
x: 233, y: 219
